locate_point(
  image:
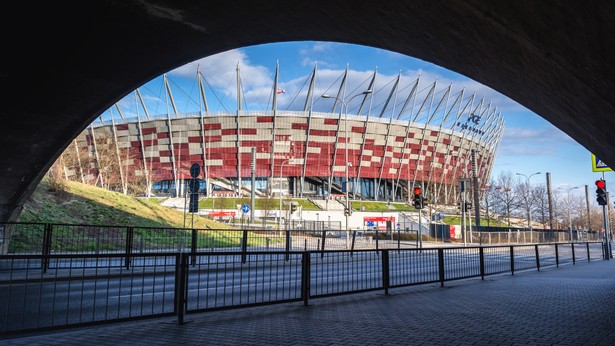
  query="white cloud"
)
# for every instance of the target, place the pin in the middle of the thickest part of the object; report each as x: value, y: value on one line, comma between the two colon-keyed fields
x: 257, y: 81
x: 220, y: 71
x: 323, y: 46
x: 315, y: 53
x: 532, y: 142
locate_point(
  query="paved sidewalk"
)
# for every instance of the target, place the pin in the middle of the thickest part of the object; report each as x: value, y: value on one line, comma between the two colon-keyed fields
x: 570, y: 305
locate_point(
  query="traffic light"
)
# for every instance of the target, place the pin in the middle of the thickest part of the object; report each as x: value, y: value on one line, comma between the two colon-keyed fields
x: 601, y: 192
x: 468, y: 206
x: 418, y: 199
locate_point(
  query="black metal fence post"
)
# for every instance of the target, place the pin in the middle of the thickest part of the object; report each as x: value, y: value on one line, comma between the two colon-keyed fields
x: 574, y: 258
x: 181, y: 278
x: 193, y: 247
x: 322, y: 250
x: 537, y: 257
x: 512, y: 260
x: 287, y: 245
x: 305, y: 277
x: 556, y: 255
x: 386, y: 279
x: 441, y: 266
x: 377, y: 240
x: 354, y: 234
x: 588, y: 255
x: 244, y: 246
x: 482, y: 263
x: 46, y: 250
x: 128, y: 250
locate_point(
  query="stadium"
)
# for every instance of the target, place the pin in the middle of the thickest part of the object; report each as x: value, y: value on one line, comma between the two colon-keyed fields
x: 378, y: 139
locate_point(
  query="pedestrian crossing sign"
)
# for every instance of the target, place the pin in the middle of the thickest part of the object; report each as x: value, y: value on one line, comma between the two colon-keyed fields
x: 598, y: 165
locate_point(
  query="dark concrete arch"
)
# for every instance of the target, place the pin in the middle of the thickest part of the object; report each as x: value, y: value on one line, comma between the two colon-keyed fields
x: 63, y: 63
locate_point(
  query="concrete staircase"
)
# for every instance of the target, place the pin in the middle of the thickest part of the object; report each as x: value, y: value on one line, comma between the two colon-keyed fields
x: 331, y: 204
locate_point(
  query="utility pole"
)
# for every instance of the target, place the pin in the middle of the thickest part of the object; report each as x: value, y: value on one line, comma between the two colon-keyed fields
x: 475, y: 190
x: 253, y: 170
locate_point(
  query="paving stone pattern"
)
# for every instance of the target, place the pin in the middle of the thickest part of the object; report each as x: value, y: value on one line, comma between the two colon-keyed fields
x: 570, y: 305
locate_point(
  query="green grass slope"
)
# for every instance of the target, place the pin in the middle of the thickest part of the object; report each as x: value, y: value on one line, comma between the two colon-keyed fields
x: 79, y: 203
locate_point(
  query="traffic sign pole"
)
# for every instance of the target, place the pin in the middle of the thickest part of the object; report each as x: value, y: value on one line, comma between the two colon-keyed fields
x: 420, y: 234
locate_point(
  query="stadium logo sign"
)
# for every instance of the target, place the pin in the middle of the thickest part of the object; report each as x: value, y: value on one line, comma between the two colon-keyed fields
x: 471, y: 124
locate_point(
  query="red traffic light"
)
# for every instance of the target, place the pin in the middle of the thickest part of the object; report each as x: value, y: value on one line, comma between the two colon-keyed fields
x: 601, y: 184
x: 417, y: 190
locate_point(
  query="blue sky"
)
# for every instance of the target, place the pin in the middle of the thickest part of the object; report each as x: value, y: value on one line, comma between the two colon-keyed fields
x: 530, y: 143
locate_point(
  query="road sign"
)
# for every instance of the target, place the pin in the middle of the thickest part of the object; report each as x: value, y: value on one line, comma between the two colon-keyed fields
x: 194, y: 185
x: 245, y: 208
x: 598, y: 165
x: 370, y: 223
x: 464, y: 184
x: 195, y: 170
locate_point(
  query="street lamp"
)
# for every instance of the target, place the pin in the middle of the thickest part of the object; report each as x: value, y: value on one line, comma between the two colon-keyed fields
x: 568, y: 207
x: 345, y: 104
x: 529, y: 209
x: 280, y: 192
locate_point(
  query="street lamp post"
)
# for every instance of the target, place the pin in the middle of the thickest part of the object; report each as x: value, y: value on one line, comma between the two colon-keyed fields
x: 529, y: 207
x: 348, y: 209
x: 280, y: 192
x: 568, y: 207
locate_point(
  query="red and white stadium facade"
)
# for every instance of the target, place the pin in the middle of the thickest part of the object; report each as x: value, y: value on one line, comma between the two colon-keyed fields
x: 304, y: 153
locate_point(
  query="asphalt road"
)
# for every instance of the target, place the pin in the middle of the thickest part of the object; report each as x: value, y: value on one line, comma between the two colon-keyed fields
x: 75, y: 293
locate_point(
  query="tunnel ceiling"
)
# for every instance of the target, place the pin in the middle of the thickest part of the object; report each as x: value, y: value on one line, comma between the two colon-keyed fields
x: 63, y: 63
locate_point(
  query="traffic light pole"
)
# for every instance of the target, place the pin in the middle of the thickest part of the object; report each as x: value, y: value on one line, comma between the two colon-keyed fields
x: 607, y: 225
x: 475, y: 191
x: 603, y: 200
x: 463, y: 217
x: 607, y: 243
x: 420, y: 232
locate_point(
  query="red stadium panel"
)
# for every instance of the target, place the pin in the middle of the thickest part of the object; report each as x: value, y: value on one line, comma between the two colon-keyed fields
x: 212, y: 126
x: 263, y: 119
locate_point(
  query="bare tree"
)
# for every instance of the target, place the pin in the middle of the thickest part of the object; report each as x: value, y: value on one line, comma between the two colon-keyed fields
x: 559, y: 213
x: 503, y: 194
x: 567, y: 207
x: 489, y: 201
x: 541, y: 204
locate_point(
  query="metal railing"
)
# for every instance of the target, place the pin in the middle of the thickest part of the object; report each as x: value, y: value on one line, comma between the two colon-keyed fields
x: 48, y: 291
x: 47, y: 238
x: 520, y: 235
